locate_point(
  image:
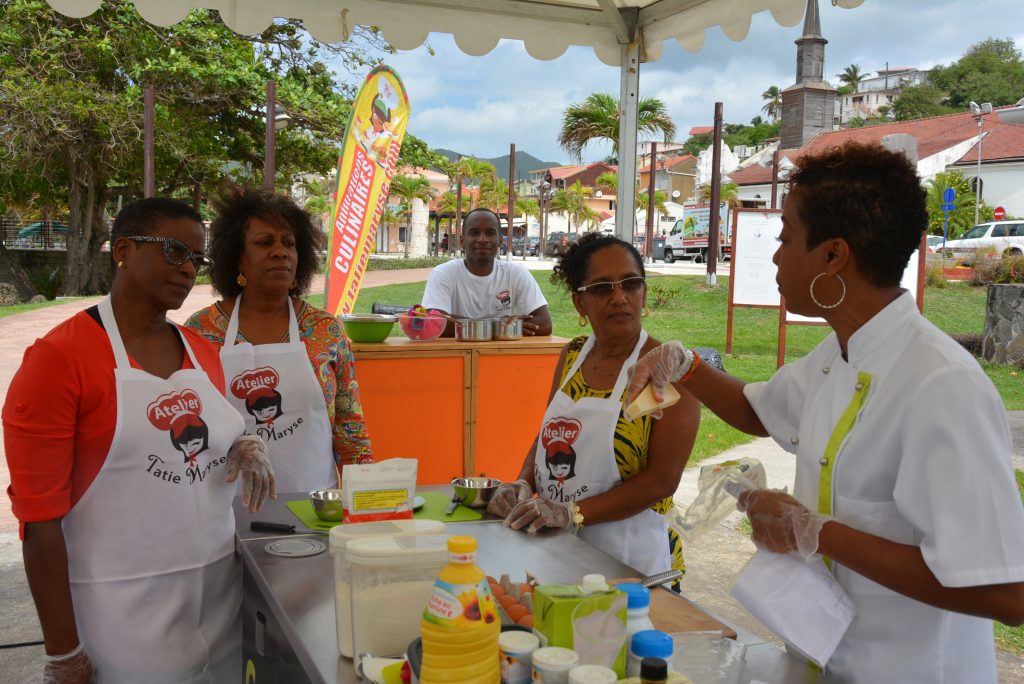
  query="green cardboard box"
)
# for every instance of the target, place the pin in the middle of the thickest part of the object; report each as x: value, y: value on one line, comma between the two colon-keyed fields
x: 592, y: 624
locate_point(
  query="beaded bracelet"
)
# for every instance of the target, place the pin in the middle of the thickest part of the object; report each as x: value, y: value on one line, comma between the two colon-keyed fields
x: 693, y: 367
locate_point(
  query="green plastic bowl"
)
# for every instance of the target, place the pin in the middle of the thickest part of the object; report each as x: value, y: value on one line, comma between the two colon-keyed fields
x: 368, y: 327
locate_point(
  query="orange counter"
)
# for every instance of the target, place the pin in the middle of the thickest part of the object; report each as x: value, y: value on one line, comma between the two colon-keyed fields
x: 461, y: 408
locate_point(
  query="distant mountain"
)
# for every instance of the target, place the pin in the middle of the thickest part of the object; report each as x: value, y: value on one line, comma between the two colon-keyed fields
x: 525, y: 162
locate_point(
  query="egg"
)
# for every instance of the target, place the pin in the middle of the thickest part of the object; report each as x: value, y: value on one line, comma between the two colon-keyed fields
x: 526, y: 620
x: 497, y: 590
x: 517, y: 612
x: 507, y: 601
x: 491, y: 580
x: 525, y: 588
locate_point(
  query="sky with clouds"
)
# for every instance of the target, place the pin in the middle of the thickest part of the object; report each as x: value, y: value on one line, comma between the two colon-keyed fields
x: 478, y: 105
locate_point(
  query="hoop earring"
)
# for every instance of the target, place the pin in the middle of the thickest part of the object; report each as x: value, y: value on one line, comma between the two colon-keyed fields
x: 842, y: 296
x: 582, y: 321
x: 645, y: 312
x: 241, y: 280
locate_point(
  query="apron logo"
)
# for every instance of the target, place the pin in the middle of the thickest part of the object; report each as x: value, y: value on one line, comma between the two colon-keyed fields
x: 258, y: 389
x: 179, y: 414
x: 557, y: 437
x: 504, y: 297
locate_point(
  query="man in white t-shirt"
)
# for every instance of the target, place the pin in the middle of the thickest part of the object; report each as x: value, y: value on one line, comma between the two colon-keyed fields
x: 482, y: 286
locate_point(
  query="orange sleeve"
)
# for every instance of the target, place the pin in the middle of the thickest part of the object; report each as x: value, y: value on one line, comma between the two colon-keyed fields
x: 55, y: 438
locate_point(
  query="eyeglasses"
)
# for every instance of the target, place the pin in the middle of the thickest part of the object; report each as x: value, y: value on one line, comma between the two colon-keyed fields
x: 605, y: 289
x: 176, y: 252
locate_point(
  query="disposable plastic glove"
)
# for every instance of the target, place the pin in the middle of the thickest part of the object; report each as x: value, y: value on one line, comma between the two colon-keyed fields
x: 538, y: 512
x: 249, y: 456
x: 507, y: 495
x: 71, y: 668
x: 664, y: 364
x: 781, y: 523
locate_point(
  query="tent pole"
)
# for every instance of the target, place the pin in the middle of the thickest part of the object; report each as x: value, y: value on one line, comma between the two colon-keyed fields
x: 629, y: 85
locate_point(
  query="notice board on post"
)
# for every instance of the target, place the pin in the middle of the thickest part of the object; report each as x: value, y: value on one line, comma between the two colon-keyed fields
x: 752, y: 283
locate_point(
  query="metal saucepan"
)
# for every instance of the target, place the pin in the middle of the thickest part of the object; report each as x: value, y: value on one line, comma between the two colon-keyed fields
x: 509, y: 328
x: 474, y: 492
x: 474, y: 330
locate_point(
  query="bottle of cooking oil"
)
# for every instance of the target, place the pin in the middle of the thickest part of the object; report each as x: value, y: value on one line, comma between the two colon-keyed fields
x: 460, y: 624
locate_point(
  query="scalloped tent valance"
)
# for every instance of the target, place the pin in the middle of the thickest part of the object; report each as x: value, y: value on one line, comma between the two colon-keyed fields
x: 547, y: 28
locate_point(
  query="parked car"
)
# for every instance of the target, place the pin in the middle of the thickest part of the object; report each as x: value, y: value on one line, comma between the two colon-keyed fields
x: 558, y: 242
x: 526, y: 246
x: 934, y: 243
x: 1006, y: 237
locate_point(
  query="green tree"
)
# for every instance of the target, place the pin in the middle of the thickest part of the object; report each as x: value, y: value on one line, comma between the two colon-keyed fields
x: 919, y: 102
x: 597, y: 118
x: 475, y: 171
x: 71, y: 109
x: 851, y: 76
x: 493, y: 193
x: 696, y: 144
x: 528, y: 208
x: 446, y: 204
x: 773, y: 102
x: 609, y: 180
x: 962, y: 216
x: 406, y: 189
x: 572, y: 201
x: 318, y: 198
x: 990, y: 71
x: 727, y: 193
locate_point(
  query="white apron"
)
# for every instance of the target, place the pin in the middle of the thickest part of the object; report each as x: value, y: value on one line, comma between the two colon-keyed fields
x: 274, y: 389
x: 154, y: 579
x: 579, y: 436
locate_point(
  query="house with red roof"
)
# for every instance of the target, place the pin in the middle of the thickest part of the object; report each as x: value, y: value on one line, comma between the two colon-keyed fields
x: 674, y: 176
x: 940, y: 143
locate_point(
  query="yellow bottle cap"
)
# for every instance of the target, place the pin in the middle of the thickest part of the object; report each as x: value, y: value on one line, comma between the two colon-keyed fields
x: 462, y: 544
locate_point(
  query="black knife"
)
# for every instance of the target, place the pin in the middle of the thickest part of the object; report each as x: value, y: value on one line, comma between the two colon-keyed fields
x: 282, y: 528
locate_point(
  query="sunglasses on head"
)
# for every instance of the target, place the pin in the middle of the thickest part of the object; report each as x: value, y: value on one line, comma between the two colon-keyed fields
x: 176, y: 252
x: 605, y: 288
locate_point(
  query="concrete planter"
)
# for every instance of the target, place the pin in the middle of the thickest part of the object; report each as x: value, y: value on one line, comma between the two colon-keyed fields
x: 1003, y: 339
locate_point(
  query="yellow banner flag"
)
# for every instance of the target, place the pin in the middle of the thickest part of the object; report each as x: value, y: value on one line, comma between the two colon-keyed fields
x: 368, y: 162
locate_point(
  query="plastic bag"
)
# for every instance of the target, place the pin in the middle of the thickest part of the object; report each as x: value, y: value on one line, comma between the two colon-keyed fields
x: 708, y: 657
x: 378, y: 491
x: 718, y: 486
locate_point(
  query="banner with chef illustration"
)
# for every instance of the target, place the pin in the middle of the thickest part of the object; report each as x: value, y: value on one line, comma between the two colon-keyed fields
x: 368, y: 162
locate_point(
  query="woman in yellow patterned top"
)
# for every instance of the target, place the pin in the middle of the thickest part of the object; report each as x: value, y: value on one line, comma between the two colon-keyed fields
x: 288, y: 369
x: 595, y: 473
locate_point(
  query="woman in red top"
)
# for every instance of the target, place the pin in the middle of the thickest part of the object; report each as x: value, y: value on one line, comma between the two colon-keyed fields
x: 123, y: 452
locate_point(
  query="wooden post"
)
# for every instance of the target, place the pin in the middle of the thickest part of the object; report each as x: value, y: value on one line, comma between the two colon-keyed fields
x: 270, y: 141
x: 716, y: 181
x: 511, y: 197
x: 649, y: 235
x: 148, y: 157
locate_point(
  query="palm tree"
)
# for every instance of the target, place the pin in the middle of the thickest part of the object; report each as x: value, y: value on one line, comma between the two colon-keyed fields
x: 528, y: 208
x: 608, y: 182
x: 446, y: 204
x: 962, y: 216
x: 728, y: 193
x: 392, y: 214
x: 475, y: 172
x: 319, y: 198
x: 774, y: 102
x: 407, y: 189
x: 597, y: 118
x: 572, y: 201
x: 493, y: 193
x: 659, y: 201
x: 851, y: 76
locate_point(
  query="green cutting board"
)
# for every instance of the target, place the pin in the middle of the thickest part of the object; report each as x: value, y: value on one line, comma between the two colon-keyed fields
x: 433, y: 509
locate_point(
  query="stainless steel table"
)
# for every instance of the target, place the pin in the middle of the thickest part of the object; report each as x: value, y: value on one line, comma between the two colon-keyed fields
x: 289, y: 629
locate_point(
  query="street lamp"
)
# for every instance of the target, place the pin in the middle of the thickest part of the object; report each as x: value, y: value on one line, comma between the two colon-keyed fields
x: 979, y: 112
x: 276, y: 121
x: 544, y: 194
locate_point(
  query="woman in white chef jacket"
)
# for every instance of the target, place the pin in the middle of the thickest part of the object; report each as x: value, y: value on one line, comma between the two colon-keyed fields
x: 917, y: 515
x: 594, y: 472
x: 123, y: 455
x: 287, y: 365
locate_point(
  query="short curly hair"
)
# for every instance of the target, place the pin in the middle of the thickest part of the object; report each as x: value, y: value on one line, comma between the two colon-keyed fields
x: 869, y: 196
x: 234, y: 207
x: 571, y: 269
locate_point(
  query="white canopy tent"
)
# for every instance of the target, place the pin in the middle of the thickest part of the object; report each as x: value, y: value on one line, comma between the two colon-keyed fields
x: 621, y: 32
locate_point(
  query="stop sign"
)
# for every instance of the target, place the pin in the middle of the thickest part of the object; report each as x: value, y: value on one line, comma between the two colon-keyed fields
x: 999, y: 214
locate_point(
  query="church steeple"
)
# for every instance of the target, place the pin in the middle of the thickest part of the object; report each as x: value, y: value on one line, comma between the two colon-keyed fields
x: 810, y: 47
x: 808, y: 106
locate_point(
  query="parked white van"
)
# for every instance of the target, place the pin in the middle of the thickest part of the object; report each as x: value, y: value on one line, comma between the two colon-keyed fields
x: 1007, y: 237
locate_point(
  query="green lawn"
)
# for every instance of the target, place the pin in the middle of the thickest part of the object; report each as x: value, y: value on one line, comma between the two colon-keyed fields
x: 696, y: 314
x: 22, y: 308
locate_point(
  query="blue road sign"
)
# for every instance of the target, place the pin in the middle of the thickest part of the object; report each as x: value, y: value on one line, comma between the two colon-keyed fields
x: 949, y: 195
